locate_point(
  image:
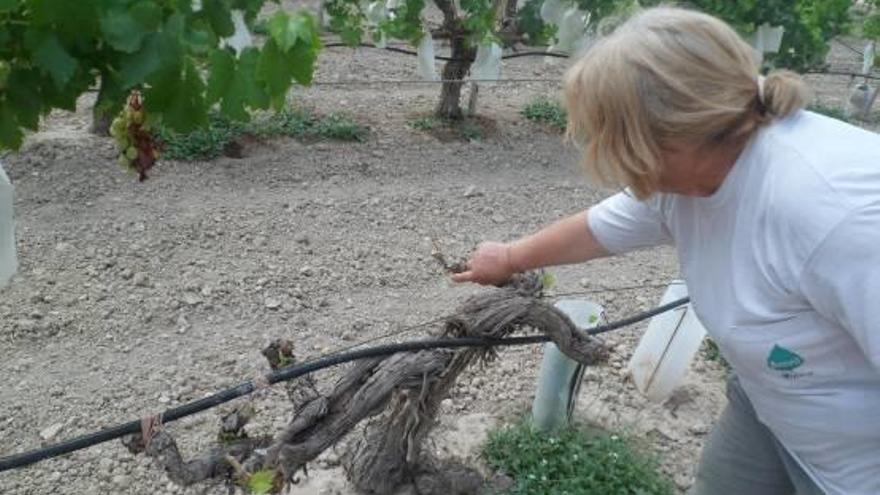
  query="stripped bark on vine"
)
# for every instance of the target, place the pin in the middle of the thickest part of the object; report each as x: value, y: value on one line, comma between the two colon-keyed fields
x: 400, y: 395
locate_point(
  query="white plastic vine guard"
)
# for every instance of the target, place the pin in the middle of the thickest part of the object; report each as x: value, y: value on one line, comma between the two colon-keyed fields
x: 665, y: 352
x: 572, y: 28
x: 767, y: 38
x: 868, y: 58
x: 376, y: 12
x: 560, y: 377
x: 8, y: 260
x: 241, y: 38
x: 552, y: 11
x: 487, y: 64
x: 427, y: 69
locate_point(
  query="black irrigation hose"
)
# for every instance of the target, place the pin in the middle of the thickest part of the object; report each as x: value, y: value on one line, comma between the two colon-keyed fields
x: 291, y: 372
x: 404, y: 51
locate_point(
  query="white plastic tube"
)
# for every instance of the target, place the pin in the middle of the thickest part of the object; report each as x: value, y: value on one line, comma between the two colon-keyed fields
x: 552, y: 10
x: 572, y: 27
x: 560, y: 377
x: 665, y: 352
x: 8, y: 260
x: 427, y: 69
x: 868, y: 58
x: 487, y: 64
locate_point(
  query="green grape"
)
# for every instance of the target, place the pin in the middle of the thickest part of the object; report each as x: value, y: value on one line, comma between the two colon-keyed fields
x: 131, y: 153
x: 137, y: 117
x: 117, y: 127
x: 124, y: 162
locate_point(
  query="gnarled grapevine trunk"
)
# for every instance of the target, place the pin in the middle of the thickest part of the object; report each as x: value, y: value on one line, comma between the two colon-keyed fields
x: 456, y: 69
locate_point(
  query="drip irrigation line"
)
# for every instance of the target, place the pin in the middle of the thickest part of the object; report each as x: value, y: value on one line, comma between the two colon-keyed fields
x: 365, y: 82
x: 402, y: 331
x: 853, y: 75
x: 602, y: 290
x: 295, y: 371
x: 404, y: 51
x: 849, y: 47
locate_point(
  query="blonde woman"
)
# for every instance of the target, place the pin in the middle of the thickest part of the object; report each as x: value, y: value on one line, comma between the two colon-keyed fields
x: 775, y: 215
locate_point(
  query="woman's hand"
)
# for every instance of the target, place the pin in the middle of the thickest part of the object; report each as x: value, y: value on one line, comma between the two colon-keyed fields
x: 564, y: 242
x: 490, y: 264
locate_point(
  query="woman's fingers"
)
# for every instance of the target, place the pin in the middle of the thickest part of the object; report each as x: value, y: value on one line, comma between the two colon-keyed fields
x: 466, y: 276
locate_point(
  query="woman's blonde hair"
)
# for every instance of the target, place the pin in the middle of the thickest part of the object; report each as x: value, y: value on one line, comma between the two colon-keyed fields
x: 668, y: 75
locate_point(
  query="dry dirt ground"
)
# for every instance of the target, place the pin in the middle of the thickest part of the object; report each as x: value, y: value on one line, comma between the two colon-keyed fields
x: 133, y: 298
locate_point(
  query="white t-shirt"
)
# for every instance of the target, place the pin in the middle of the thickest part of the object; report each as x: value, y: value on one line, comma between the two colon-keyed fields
x: 783, y: 267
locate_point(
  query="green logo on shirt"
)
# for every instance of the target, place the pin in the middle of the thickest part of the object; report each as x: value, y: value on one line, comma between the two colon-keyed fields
x: 782, y: 359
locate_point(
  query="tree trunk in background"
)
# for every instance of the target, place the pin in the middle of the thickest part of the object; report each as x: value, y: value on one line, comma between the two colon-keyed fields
x: 456, y: 69
x: 100, y: 122
x: 510, y: 10
x: 102, y: 114
x: 449, y: 107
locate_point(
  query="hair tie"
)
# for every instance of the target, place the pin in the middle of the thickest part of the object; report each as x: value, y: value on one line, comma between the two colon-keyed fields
x: 760, y: 80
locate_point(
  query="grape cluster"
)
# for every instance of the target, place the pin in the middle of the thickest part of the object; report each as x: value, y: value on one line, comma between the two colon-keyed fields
x: 135, y: 142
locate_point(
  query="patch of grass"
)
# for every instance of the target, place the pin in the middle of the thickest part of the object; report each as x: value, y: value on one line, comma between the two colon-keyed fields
x: 426, y: 123
x: 712, y: 353
x: 470, y: 131
x: 339, y: 127
x: 546, y: 111
x: 205, y: 143
x: 833, y: 112
x: 475, y: 128
x: 573, y: 461
x: 213, y: 140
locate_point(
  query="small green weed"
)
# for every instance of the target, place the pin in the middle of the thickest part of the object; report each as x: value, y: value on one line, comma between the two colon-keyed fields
x: 340, y: 128
x: 208, y: 142
x: 833, y: 112
x: 575, y: 460
x: 213, y: 140
x: 546, y: 111
x: 712, y: 353
x: 470, y: 131
x: 426, y: 123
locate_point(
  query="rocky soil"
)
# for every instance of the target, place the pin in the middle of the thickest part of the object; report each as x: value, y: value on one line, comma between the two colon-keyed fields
x: 133, y: 298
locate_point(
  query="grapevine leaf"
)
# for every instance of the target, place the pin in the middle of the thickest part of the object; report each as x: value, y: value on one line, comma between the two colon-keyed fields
x: 10, y: 135
x: 147, y: 14
x: 275, y: 73
x: 7, y: 5
x: 218, y: 15
x: 201, y: 40
x: 23, y: 98
x: 122, y: 31
x: 77, y: 20
x: 246, y: 79
x: 302, y: 63
x: 179, y: 96
x: 222, y: 72
x: 286, y: 30
x: 136, y: 67
x: 261, y: 482
x: 4, y: 74
x: 53, y: 58
x: 250, y: 7
x: 227, y: 84
x: 111, y: 94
